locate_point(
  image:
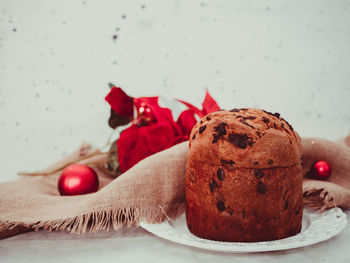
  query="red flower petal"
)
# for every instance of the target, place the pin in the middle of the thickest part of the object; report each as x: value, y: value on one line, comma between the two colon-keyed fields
x: 120, y: 102
x: 194, y: 108
x: 178, y: 140
x: 136, y: 143
x: 209, y: 104
x: 186, y: 121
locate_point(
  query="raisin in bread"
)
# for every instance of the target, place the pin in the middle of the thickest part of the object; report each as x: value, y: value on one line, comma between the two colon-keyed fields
x: 243, y: 177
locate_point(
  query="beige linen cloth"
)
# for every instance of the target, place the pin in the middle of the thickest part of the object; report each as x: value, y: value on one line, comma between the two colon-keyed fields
x: 151, y: 191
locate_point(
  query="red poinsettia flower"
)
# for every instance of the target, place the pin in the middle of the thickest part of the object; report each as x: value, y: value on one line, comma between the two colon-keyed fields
x: 154, y: 129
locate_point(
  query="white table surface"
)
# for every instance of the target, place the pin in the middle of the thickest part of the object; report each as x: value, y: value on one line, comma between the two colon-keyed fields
x: 56, y: 58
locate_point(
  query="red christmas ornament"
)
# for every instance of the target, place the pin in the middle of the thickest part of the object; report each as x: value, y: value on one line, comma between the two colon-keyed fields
x: 78, y: 179
x: 145, y: 114
x: 321, y: 170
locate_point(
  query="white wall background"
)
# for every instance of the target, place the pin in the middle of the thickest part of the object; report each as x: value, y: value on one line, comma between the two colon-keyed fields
x: 56, y: 58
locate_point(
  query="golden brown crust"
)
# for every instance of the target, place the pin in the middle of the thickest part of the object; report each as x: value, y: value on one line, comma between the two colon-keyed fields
x: 245, y: 205
x: 259, y: 139
x: 244, y: 183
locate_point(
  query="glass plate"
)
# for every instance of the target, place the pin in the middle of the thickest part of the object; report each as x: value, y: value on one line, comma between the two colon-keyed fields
x: 315, y: 228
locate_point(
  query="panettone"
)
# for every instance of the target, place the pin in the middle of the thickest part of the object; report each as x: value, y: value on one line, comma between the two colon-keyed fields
x: 243, y: 177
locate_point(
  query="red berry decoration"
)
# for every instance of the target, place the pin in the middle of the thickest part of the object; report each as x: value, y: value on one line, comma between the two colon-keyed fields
x: 78, y: 179
x: 321, y: 170
x: 145, y: 114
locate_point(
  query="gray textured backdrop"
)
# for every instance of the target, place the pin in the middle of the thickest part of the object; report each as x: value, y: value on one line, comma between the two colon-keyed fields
x: 56, y: 58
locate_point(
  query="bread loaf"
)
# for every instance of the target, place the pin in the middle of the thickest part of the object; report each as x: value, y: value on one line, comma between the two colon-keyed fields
x: 243, y: 177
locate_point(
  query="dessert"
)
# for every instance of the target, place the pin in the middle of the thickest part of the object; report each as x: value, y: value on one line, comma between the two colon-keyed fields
x: 243, y: 177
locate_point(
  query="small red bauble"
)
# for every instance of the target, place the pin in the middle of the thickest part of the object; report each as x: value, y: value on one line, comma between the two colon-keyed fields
x: 321, y: 170
x: 145, y: 114
x: 78, y: 179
